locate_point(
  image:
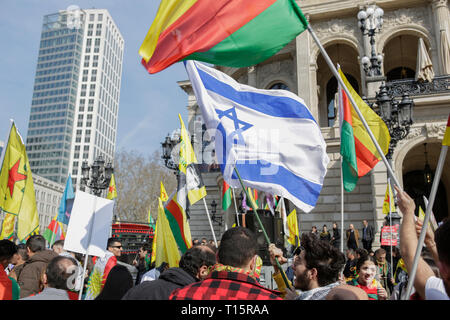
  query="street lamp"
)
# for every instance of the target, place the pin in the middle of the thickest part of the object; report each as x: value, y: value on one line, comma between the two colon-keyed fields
x: 370, y: 22
x: 97, y: 176
x: 168, y: 145
x: 213, y: 211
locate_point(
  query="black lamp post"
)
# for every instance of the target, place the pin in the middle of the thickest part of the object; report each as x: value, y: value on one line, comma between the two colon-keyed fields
x: 167, y: 146
x: 370, y: 22
x: 97, y: 176
x: 213, y: 215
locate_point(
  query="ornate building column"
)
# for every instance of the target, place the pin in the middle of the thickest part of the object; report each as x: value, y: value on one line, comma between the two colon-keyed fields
x: 441, y: 22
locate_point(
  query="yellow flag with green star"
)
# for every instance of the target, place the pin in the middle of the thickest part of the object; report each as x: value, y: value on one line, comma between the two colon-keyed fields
x: 17, y: 195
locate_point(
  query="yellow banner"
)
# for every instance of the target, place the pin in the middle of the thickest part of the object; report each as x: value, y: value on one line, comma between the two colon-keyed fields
x: 8, y: 226
x: 17, y: 194
x: 388, y: 196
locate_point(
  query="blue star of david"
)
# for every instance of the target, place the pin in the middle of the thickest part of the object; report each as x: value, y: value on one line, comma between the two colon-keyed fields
x: 239, y: 125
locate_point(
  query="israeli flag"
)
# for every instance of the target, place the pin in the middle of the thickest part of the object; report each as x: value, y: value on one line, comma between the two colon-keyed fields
x: 270, y: 136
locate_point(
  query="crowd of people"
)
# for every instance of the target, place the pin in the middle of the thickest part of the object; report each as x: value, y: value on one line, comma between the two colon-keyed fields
x: 318, y: 270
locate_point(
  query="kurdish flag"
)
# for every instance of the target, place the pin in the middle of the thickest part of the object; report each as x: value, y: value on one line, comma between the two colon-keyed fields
x: 230, y: 33
x: 388, y: 197
x: 226, y: 196
x: 358, y: 151
x: 446, y: 140
x: 112, y: 191
x: 17, y: 194
x: 54, y: 231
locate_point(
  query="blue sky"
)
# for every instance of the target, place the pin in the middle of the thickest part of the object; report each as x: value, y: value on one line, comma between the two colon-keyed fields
x: 149, y: 104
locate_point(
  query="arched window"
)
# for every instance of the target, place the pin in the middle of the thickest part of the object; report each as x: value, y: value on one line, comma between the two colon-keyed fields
x: 332, y: 88
x: 400, y: 73
x: 279, y: 85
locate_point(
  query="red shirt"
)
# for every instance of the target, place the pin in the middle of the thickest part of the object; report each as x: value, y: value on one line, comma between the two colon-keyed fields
x: 225, y: 285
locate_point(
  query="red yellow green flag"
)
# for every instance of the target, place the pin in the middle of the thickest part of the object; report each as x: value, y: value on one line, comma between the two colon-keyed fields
x: 165, y: 247
x: 17, y: 194
x: 226, y: 196
x: 230, y: 33
x: 358, y: 151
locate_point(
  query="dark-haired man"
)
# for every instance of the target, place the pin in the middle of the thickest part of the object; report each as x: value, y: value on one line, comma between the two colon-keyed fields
x: 317, y: 266
x: 60, y: 272
x: 194, y: 265
x: 38, y: 258
x: 233, y: 277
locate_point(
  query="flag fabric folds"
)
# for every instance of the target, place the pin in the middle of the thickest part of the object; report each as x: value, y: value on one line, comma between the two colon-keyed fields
x: 177, y: 221
x: 231, y: 33
x: 358, y: 151
x: 388, y: 196
x: 54, y: 231
x: 292, y: 224
x: 17, y: 195
x: 99, y: 274
x: 190, y: 182
x: 164, y: 248
x: 112, y: 191
x: 67, y: 199
x: 8, y: 227
x: 270, y: 136
x: 226, y: 196
x: 253, y: 196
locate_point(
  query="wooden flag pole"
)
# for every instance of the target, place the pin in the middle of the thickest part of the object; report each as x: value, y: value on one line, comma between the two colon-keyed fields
x: 434, y: 187
x: 253, y: 204
x: 363, y: 120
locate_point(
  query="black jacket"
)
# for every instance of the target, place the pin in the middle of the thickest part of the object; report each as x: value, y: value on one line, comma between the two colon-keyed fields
x: 161, y: 288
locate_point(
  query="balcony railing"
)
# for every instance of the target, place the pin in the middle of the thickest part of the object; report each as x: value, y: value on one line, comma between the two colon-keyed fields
x: 397, y: 88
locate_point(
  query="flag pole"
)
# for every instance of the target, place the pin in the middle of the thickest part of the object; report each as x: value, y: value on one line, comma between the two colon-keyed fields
x: 363, y: 120
x: 210, y: 223
x: 342, y: 175
x: 390, y: 219
x: 253, y: 204
x: 434, y: 187
x: 235, y: 207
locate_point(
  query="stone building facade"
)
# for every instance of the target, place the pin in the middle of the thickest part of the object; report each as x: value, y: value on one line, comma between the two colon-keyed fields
x: 301, y: 68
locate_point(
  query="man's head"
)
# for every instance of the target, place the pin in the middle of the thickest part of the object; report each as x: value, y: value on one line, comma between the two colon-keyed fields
x: 350, y: 254
x: 351, y: 226
x: 346, y: 292
x: 7, y: 250
x: 238, y: 248
x: 314, y: 229
x: 204, y: 242
x: 115, y: 246
x: 21, y: 256
x: 58, y: 246
x: 197, y: 260
x: 380, y: 255
x: 143, y: 251
x: 60, y: 273
x: 317, y: 265
x: 35, y: 244
x: 442, y: 239
x: 365, y: 223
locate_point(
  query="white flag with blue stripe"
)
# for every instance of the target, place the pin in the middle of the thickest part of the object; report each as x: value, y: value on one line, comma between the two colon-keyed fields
x: 269, y: 135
